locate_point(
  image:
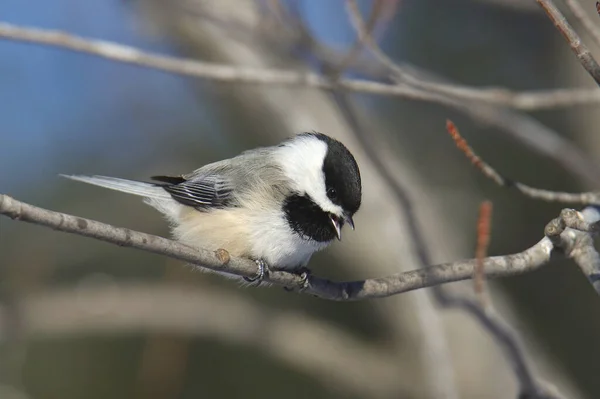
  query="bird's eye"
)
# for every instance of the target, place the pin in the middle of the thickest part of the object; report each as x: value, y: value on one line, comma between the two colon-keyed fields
x: 331, y: 193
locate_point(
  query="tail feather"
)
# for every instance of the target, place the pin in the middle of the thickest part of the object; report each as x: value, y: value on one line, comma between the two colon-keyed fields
x: 127, y: 186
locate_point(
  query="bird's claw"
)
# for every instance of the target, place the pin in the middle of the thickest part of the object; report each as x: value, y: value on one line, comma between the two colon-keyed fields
x: 263, y: 270
x: 304, y: 273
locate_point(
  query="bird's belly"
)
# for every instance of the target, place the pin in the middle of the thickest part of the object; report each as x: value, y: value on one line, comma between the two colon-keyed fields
x: 257, y: 235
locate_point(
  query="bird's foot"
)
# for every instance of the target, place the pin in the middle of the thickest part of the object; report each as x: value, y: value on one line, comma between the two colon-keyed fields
x: 263, y: 270
x: 304, y: 273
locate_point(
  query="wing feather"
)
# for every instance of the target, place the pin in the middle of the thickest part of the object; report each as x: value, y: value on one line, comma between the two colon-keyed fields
x: 201, y: 192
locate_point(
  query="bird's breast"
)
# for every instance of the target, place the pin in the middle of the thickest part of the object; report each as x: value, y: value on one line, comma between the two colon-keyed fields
x: 261, y: 233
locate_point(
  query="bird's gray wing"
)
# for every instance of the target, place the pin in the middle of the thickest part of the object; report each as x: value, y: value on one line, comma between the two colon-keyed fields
x: 203, y: 191
x: 224, y: 183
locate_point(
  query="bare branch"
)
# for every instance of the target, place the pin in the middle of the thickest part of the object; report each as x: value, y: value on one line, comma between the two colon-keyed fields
x: 529, y: 132
x: 495, y: 96
x: 505, y: 337
x: 365, y: 37
x: 531, y: 100
x: 511, y: 347
x: 582, y: 15
x: 578, y: 243
x: 495, y: 266
x: 577, y: 246
x: 583, y: 54
x: 590, y: 198
x: 377, y: 8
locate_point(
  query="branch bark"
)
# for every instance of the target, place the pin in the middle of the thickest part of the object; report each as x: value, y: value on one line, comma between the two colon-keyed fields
x: 583, y: 16
x: 583, y: 54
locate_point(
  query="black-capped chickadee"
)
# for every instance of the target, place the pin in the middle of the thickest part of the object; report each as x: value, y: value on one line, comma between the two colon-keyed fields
x: 276, y: 204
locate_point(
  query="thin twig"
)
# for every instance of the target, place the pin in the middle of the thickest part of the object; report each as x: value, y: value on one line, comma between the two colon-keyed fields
x: 583, y: 252
x: 583, y: 54
x: 484, y: 222
x: 585, y: 255
x: 582, y: 15
x: 590, y: 198
x: 365, y: 38
x: 509, y: 342
x: 357, y: 46
x: 226, y: 73
x: 527, y: 131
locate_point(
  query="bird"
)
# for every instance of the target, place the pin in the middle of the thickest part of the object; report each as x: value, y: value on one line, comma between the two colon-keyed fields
x: 276, y: 205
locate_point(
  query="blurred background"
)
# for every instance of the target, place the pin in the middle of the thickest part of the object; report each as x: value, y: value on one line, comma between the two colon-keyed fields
x: 84, y: 319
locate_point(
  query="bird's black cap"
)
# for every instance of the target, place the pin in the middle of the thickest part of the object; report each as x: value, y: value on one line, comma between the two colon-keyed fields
x: 342, y: 176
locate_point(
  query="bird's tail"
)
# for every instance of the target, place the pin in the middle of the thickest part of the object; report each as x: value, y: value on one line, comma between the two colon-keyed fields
x: 142, y: 189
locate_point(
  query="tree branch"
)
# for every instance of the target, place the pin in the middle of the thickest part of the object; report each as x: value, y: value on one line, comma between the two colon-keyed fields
x: 496, y: 96
x: 582, y: 15
x: 586, y: 198
x: 583, y: 54
x: 577, y: 243
x: 495, y: 266
x: 531, y: 100
x: 530, y: 132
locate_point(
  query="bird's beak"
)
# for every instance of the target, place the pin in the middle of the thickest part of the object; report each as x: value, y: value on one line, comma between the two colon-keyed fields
x: 349, y: 220
x: 337, y: 225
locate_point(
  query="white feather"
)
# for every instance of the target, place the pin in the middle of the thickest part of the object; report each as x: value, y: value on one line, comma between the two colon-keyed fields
x: 302, y: 162
x: 154, y: 196
x: 124, y: 185
x: 258, y: 233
